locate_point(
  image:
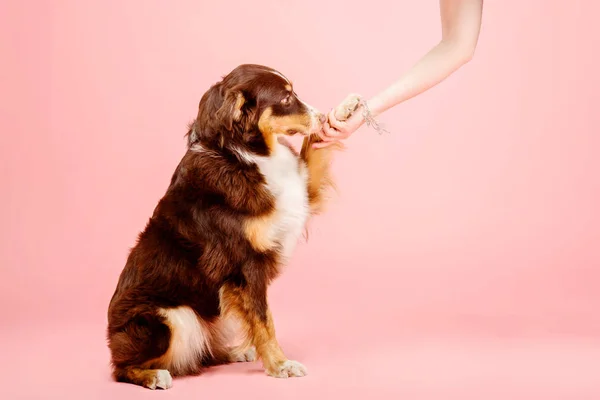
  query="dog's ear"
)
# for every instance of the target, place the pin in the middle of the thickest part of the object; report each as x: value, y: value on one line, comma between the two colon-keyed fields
x: 232, y: 109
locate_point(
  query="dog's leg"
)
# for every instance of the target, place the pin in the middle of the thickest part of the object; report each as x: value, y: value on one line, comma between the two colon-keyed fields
x: 231, y: 330
x: 149, y: 378
x: 243, y: 353
x: 319, y: 179
x: 249, y: 303
x: 318, y: 160
x: 139, y: 350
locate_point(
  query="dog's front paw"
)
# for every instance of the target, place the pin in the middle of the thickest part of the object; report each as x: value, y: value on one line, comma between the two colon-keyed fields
x: 347, y: 107
x: 288, y: 369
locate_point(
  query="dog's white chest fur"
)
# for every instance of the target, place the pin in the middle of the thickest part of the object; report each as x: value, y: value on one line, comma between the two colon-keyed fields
x: 286, y: 179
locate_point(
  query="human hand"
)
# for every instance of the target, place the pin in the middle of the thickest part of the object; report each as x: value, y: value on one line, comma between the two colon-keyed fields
x: 342, y: 121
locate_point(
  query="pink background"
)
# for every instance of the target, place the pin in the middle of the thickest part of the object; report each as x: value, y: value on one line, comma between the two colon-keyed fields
x: 460, y: 259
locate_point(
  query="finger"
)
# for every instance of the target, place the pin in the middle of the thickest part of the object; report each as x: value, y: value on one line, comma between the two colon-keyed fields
x: 320, y: 145
x: 338, y: 144
x: 333, y: 121
x: 321, y: 135
x: 334, y: 134
x: 330, y: 133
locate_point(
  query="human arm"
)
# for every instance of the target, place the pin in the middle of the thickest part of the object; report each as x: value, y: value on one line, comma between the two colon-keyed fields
x: 461, y: 22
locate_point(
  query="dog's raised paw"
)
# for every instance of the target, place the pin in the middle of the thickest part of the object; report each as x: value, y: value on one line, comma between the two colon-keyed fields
x: 289, y: 369
x: 347, y: 107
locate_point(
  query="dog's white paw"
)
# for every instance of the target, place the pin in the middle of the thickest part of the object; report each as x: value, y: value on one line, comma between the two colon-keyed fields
x: 347, y: 107
x: 289, y: 369
x: 243, y: 354
x: 161, y: 380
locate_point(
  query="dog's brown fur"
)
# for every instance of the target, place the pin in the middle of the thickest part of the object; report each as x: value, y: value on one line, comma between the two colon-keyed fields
x: 207, y: 255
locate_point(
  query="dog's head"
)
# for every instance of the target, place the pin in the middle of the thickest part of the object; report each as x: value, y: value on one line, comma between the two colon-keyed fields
x: 250, y: 107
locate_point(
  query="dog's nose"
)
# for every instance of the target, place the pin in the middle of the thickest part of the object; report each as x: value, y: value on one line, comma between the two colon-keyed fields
x: 322, y: 118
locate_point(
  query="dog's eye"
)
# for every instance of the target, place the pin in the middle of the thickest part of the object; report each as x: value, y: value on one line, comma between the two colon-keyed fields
x: 287, y: 100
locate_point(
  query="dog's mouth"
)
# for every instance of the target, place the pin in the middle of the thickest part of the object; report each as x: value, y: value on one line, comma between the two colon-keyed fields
x: 312, y: 124
x: 307, y: 132
x: 304, y: 131
x: 316, y: 125
x: 305, y: 124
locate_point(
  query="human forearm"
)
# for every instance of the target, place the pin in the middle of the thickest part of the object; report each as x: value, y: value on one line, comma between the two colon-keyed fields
x: 461, y: 21
x: 434, y: 67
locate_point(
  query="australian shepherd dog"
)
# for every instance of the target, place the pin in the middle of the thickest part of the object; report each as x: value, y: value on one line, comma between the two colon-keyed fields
x: 235, y: 208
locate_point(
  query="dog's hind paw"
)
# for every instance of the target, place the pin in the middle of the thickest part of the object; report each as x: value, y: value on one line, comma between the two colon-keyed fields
x: 239, y: 354
x: 161, y: 380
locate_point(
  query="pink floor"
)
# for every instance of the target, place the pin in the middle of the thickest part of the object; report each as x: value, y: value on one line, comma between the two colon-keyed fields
x: 45, y: 365
x: 428, y: 337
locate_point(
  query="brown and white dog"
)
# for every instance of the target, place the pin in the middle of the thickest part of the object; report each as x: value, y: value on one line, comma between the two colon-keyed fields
x: 236, y: 206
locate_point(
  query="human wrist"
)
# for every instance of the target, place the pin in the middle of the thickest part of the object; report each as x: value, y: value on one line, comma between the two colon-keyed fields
x: 368, y: 116
x: 374, y: 106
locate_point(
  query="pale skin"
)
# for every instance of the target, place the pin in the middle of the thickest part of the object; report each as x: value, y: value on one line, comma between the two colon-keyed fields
x: 461, y: 23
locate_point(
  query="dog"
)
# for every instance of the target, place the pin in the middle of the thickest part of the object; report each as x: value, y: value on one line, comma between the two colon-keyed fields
x: 236, y: 206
